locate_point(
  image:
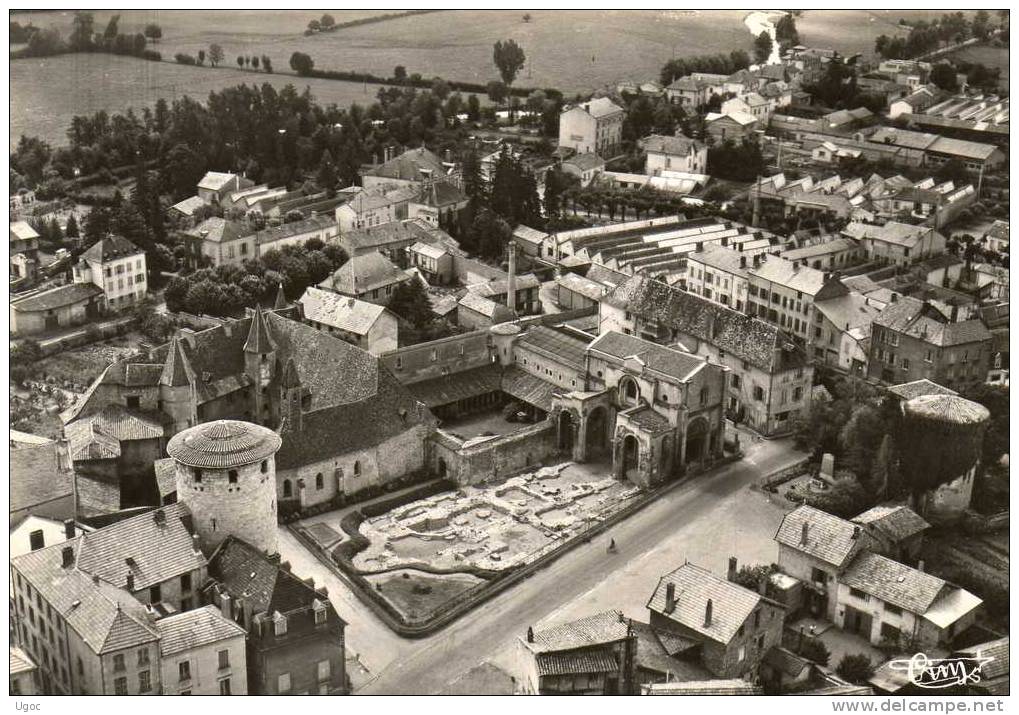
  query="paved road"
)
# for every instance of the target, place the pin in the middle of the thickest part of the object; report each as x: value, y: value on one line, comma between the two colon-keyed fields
x: 704, y: 521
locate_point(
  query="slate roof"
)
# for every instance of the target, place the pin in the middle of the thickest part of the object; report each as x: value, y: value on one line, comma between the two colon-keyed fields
x: 527, y: 387
x: 20, y: 662
x: 731, y: 604
x: 559, y: 346
x: 340, y: 311
x: 581, y: 286
x: 219, y: 230
x: 362, y: 273
x: 194, y: 629
x: 600, y: 629
x: 445, y: 389
x: 922, y: 321
x: 721, y: 258
x: 588, y: 660
x: 110, y: 249
x: 739, y: 335
x: 528, y: 234
x: 829, y: 538
x: 678, y: 145
x: 245, y: 572
x: 893, y: 582
x: 222, y: 444
x: 441, y: 193
x: 669, y: 362
x: 55, y: 298
x: 897, y: 522
x: 786, y: 273
x: 177, y: 371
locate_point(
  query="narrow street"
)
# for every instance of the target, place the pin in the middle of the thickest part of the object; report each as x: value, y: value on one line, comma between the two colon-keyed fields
x: 704, y: 521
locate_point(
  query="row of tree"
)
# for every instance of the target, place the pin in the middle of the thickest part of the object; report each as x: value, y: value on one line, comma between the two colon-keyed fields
x: 715, y: 64
x: 924, y: 37
x: 85, y: 38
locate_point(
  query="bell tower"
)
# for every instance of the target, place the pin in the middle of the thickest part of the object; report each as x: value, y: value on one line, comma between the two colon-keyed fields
x: 259, y: 360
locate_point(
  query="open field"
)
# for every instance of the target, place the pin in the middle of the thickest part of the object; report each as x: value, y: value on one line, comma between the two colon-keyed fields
x: 576, y: 51
x: 987, y: 55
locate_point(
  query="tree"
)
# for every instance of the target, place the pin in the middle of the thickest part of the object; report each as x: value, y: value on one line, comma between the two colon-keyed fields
x: 497, y: 91
x: 762, y: 47
x: 266, y: 63
x: 326, y: 176
x: 215, y: 54
x: 154, y: 32
x: 860, y: 439
x: 410, y: 302
x: 327, y: 22
x: 440, y: 89
x: 884, y: 474
x: 82, y: 30
x: 201, y: 57
x: 509, y: 58
x: 751, y: 577
x: 856, y: 668
x: 815, y: 650
x: 785, y: 31
x: 301, y: 63
x: 254, y: 61
x: 314, y: 26
x: 112, y: 28
x: 943, y: 75
x: 981, y: 26
x: 72, y: 226
x: 400, y: 74
x: 240, y: 60
x: 473, y: 108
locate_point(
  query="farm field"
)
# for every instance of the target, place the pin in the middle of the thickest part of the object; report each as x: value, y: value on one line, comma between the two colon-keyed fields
x: 576, y: 51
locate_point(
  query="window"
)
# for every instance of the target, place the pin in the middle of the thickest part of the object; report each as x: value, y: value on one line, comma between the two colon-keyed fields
x: 224, y: 659
x: 857, y: 593
x: 357, y: 469
x: 120, y: 686
x: 283, y: 683
x: 184, y: 670
x: 736, y: 380
x: 797, y: 394
x: 320, y: 614
x: 893, y: 609
x: 320, y: 481
x: 81, y: 667
x: 323, y: 670
x: 704, y: 396
x: 758, y: 393
x: 224, y: 686
x: 143, y: 657
x: 118, y: 661
x: 198, y: 476
x: 155, y: 594
x: 36, y: 540
x: 280, y: 625
x: 144, y: 681
x: 742, y: 654
x: 185, y: 582
x: 818, y: 576
x: 232, y: 476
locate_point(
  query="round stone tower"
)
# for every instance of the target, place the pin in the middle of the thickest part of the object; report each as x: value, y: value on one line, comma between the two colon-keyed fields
x: 503, y: 336
x: 226, y: 475
x: 943, y: 441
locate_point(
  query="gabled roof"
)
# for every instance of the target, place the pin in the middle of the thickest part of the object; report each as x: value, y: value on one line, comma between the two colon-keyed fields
x: 896, y: 522
x: 666, y: 361
x: 557, y: 345
x: 579, y: 662
x: 408, y: 165
x: 600, y: 629
x: 188, y: 206
x: 364, y: 273
x: 791, y: 274
x: 98, y: 435
x: 219, y: 230
x: 678, y: 145
x: 196, y: 628
x: 36, y: 477
x: 110, y: 249
x: 925, y: 322
x: 828, y: 538
x: 741, y: 118
x: 586, y: 161
x: 893, y: 582
x: 245, y: 572
x: 340, y: 311
x: 600, y: 107
x: 56, y: 297
x: 847, y: 311
x: 694, y: 586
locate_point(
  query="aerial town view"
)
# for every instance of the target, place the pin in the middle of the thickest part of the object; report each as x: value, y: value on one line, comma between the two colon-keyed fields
x: 506, y: 352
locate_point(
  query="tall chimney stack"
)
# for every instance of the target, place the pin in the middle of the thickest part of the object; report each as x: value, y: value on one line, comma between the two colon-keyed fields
x: 803, y: 534
x: 732, y: 569
x: 69, y: 529
x: 130, y: 581
x: 707, y: 613
x: 670, y: 597
x: 511, y: 284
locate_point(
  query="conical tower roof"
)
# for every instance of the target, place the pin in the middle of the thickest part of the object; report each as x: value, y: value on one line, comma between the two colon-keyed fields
x: 290, y: 376
x: 281, y: 298
x: 259, y: 338
x: 177, y: 369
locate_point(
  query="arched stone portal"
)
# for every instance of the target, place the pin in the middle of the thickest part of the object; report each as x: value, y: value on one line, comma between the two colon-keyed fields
x: 596, y: 433
x: 629, y: 392
x: 696, y: 441
x: 567, y: 428
x: 442, y: 468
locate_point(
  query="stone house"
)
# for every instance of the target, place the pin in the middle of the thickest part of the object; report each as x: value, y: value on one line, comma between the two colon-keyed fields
x: 218, y: 241
x: 783, y: 293
x: 595, y: 126
x: 720, y: 275
x: 897, y: 529
x: 677, y: 153
x: 731, y: 126
x: 371, y: 208
x: 840, y: 330
x: 214, y: 663
x: 369, y: 276
x: 410, y: 170
x: 368, y: 326
x: 728, y: 628
x: 216, y: 185
x: 896, y: 243
x: 118, y: 267
x: 585, y: 167
x: 40, y: 311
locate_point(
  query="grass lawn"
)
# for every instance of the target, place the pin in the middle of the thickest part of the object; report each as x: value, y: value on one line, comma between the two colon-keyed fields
x: 399, y: 591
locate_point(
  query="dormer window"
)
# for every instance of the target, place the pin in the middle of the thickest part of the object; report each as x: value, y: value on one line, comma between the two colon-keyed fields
x: 279, y: 622
x: 320, y: 612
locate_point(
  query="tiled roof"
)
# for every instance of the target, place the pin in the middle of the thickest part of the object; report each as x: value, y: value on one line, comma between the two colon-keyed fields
x: 819, y: 249
x: 734, y: 686
x: 245, y: 572
x: 848, y: 311
x: 445, y: 389
x: 600, y: 107
x: 922, y: 321
x: 294, y: 228
x: 407, y: 166
x: 94, y: 436
x: 893, y: 582
x: 35, y: 477
x: 829, y: 538
x: 900, y: 234
x: 106, y: 617
x: 670, y: 362
x: 787, y: 273
x: 578, y: 662
x: 997, y: 651
x: 499, y: 286
x: 340, y: 311
x: 918, y: 388
x: 220, y: 230
x: 559, y: 346
x: 586, y: 161
x: 189, y: 205
x: 528, y: 234
x: 947, y: 408
x: 527, y: 387
x: 441, y: 193
x: 23, y: 231
x: 194, y: 629
x: 653, y: 655
x: 597, y: 630
x: 785, y: 661
x: 215, y: 180
x: 363, y: 273
x: 722, y: 258
x: 110, y: 249
x: 223, y: 444
x: 648, y: 419
x: 897, y: 522
x: 485, y: 306
x: 739, y: 117
x: 581, y: 286
x: 731, y: 604
x: 678, y: 145
x: 57, y: 297
x: 166, y: 476
x: 20, y: 662
x: 759, y: 343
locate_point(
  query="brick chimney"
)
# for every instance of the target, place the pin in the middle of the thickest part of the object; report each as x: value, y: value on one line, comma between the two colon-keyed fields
x: 530, y: 634
x: 707, y: 613
x: 670, y: 597
x: 804, y: 533
x: 67, y: 557
x: 732, y: 569
x: 69, y: 528
x: 130, y: 581
x: 224, y: 606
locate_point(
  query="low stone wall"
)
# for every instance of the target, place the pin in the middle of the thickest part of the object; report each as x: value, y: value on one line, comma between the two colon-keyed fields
x: 493, y: 458
x: 772, y: 481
